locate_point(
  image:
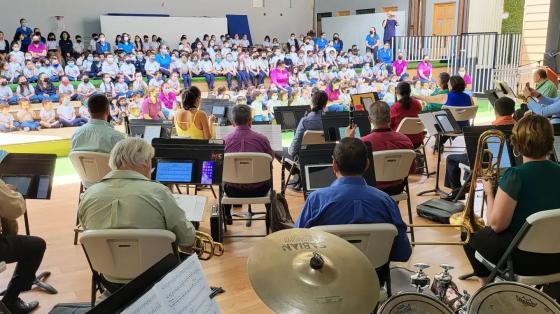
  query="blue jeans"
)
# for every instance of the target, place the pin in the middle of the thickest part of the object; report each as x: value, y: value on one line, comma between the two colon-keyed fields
x: 229, y: 78
x: 15, y: 127
x: 242, y: 79
x: 138, y: 92
x: 32, y: 79
x: 32, y: 125
x: 10, y: 101
x: 210, y: 78
x: 165, y: 71
x: 53, y: 97
x: 75, y: 122
x: 125, y: 94
x: 187, y: 81
x: 54, y: 78
x: 261, y: 77
x: 403, y: 77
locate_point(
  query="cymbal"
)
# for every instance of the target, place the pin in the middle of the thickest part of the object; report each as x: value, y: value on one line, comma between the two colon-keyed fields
x: 312, y: 271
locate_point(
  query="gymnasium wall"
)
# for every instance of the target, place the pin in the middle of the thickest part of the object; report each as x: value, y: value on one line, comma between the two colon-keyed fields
x: 278, y: 18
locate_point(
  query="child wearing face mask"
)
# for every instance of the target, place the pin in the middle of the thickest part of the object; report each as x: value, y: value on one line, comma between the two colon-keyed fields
x: 24, y: 90
x: 207, y: 70
x: 26, y: 117
x: 7, y: 121
x: 95, y: 70
x: 107, y: 87
x: 83, y: 111
x: 48, y: 116
x: 156, y: 81
x: 174, y: 83
x: 121, y: 87
x: 52, y: 43
x: 67, y: 114
x: 19, y: 55
x: 72, y: 71
x: 168, y: 99
x: 6, y: 94
x: 257, y: 107
x: 110, y: 66
x: 102, y: 46
x: 66, y: 88
x: 139, y: 87
x: 85, y: 88
x: 30, y: 72
x: 151, y: 66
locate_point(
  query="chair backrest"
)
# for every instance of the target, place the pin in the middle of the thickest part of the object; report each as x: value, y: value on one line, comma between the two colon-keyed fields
x: 313, y: 137
x: 410, y: 126
x: 392, y: 165
x: 544, y: 228
x: 246, y: 168
x: 90, y: 166
x: 374, y: 240
x: 126, y: 253
x: 462, y: 113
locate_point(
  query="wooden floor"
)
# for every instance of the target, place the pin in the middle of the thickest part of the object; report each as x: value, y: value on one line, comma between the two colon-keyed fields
x: 54, y: 220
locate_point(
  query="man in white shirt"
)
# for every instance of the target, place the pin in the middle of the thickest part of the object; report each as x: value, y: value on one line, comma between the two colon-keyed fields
x: 151, y: 67
x: 110, y: 66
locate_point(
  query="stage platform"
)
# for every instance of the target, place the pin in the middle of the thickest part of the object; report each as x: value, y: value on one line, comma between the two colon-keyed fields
x: 42, y: 142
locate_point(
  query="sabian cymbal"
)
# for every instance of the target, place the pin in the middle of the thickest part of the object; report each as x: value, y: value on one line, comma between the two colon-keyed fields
x: 312, y: 271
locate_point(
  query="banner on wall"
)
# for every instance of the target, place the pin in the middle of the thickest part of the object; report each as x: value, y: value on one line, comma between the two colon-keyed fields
x: 353, y: 29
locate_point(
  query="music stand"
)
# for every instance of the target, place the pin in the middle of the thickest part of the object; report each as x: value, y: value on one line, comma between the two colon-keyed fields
x: 288, y: 117
x: 438, y: 127
x: 39, y: 170
x: 335, y: 124
x: 363, y: 101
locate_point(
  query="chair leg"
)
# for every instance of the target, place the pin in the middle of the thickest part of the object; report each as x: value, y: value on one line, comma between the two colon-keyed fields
x: 409, y: 206
x: 425, y: 161
x: 249, y: 217
x: 267, y: 217
x: 213, y: 192
x: 388, y: 284
x: 93, y: 290
x: 76, y: 232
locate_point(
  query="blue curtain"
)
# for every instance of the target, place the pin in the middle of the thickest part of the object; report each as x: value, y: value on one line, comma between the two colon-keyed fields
x: 238, y: 24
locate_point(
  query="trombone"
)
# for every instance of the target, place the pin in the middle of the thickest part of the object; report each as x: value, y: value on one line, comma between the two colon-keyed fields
x: 486, y: 166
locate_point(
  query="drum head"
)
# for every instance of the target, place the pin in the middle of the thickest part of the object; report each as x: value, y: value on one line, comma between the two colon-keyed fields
x: 511, y: 298
x: 413, y: 303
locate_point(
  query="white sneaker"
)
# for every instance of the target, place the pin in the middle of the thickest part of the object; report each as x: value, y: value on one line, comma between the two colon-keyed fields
x: 26, y: 129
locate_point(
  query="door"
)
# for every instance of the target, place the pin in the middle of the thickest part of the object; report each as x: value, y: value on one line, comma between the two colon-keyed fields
x: 443, y: 19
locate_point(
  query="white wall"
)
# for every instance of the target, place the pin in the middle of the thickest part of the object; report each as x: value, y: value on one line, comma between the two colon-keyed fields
x: 82, y: 16
x: 353, y: 29
x: 487, y: 20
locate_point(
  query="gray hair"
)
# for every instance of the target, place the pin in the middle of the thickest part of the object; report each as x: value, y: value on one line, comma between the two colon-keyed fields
x: 130, y: 152
x: 379, y: 113
x: 241, y: 114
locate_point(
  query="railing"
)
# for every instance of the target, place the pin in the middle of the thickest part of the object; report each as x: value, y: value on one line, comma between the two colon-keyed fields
x: 485, y: 56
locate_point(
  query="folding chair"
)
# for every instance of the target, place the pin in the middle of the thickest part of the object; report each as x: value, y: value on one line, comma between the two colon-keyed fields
x: 248, y: 168
x: 120, y: 255
x: 91, y: 168
x: 413, y: 126
x: 309, y: 138
x: 394, y: 165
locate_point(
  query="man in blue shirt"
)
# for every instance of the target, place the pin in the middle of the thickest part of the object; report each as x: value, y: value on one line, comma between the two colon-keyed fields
x: 321, y: 42
x: 164, y: 60
x: 542, y: 105
x: 349, y: 200
x: 102, y: 46
x: 24, y: 29
x: 385, y: 55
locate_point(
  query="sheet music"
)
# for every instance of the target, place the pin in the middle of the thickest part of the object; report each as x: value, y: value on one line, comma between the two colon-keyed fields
x: 192, y: 205
x: 183, y: 290
x: 272, y: 132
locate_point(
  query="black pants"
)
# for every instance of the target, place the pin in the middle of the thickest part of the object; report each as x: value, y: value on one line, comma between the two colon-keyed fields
x: 27, y: 252
x: 452, y: 170
x: 493, y: 245
x: 236, y: 191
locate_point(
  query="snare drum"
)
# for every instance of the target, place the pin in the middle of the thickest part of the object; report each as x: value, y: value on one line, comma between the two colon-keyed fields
x: 511, y: 298
x: 413, y: 303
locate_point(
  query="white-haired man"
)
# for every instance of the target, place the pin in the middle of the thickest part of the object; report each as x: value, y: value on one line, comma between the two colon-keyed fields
x: 126, y: 198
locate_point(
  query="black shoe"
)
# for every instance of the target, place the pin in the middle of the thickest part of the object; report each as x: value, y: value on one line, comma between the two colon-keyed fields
x: 296, y: 187
x: 294, y: 181
x: 20, y: 307
x: 451, y: 197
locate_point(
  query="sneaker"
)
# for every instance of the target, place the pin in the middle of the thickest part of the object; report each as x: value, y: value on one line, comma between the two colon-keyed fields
x: 26, y: 129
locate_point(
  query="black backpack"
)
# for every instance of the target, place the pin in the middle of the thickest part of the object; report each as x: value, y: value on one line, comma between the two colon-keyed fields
x: 280, y: 217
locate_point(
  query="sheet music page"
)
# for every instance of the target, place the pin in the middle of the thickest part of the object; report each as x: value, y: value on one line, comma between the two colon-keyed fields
x: 183, y: 290
x: 193, y: 205
x: 272, y: 132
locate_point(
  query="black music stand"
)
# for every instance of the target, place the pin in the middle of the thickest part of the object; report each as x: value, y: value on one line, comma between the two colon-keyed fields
x: 38, y: 169
x: 288, y: 117
x: 437, y: 127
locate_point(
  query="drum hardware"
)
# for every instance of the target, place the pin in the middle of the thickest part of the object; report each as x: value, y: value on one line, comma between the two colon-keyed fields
x: 442, y: 281
x: 419, y: 279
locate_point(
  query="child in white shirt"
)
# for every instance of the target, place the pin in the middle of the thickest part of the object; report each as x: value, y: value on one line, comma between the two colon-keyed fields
x: 156, y: 80
x: 174, y: 83
x: 110, y: 66
x: 25, y: 117
x: 107, y: 87
x: 121, y: 87
x: 67, y: 89
x: 85, y: 88
x: 19, y: 55
x: 30, y: 72
x: 83, y: 111
x: 48, y: 116
x: 139, y: 87
x: 72, y: 71
x: 7, y: 123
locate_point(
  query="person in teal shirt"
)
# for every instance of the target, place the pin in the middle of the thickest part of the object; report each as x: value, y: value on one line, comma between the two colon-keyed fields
x: 443, y: 88
x: 522, y: 191
x: 97, y: 135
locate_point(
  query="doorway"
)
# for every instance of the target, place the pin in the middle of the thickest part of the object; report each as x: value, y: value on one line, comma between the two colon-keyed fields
x: 443, y: 19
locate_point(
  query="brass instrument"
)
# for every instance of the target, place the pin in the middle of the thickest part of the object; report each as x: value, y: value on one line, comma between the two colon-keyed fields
x: 205, y: 247
x: 486, y: 167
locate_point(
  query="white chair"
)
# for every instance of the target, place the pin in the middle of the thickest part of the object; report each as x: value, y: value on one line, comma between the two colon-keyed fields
x: 413, y: 126
x: 374, y: 240
x: 91, y: 168
x: 248, y: 168
x: 309, y: 138
x: 394, y: 165
x: 463, y: 113
x: 120, y: 255
x: 539, y: 234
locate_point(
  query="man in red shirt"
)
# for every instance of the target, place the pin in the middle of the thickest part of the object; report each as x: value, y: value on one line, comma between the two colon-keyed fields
x: 503, y: 110
x: 383, y: 138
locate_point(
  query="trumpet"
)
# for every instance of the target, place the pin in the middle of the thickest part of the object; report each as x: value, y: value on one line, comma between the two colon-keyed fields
x: 486, y: 166
x: 205, y: 247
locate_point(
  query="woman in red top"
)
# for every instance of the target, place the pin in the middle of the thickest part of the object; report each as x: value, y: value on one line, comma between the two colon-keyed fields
x: 406, y: 107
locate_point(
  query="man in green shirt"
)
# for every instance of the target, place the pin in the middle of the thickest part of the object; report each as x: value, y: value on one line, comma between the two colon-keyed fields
x: 544, y: 85
x: 97, y: 135
x: 126, y: 199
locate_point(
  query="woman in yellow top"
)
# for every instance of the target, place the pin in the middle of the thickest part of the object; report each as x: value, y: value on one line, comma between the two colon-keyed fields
x: 189, y: 120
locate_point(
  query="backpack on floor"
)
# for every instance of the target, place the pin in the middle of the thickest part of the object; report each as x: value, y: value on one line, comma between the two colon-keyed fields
x: 280, y: 217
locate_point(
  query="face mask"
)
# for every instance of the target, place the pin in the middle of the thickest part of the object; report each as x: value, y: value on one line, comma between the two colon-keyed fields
x: 78, y: 41
x: 163, y: 50
x: 37, y: 64
x: 400, y: 57
x: 102, y: 39
x: 4, y: 83
x: 90, y: 58
x: 199, y: 46
x: 24, y: 24
x: 36, y: 41
x: 371, y: 32
x: 139, y: 57
x: 110, y: 60
x: 167, y: 90
x: 274, y: 97
x: 71, y: 63
x: 107, y: 80
x: 15, y: 49
x: 86, y: 81
x: 65, y: 83
x: 54, y: 62
x: 96, y: 38
x: 229, y: 58
x: 45, y: 80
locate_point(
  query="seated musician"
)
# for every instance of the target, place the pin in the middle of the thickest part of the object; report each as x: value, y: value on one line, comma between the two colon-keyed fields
x: 127, y: 199
x: 522, y: 191
x: 383, y: 138
x: 349, y: 200
x: 243, y: 139
x: 503, y: 110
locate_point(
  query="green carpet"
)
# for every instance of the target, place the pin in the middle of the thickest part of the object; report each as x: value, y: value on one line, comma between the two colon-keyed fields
x: 63, y: 167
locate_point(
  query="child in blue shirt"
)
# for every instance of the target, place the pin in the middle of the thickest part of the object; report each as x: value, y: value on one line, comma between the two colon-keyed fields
x: 72, y: 71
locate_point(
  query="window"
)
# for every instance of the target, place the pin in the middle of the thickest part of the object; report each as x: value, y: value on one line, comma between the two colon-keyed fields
x: 365, y: 11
